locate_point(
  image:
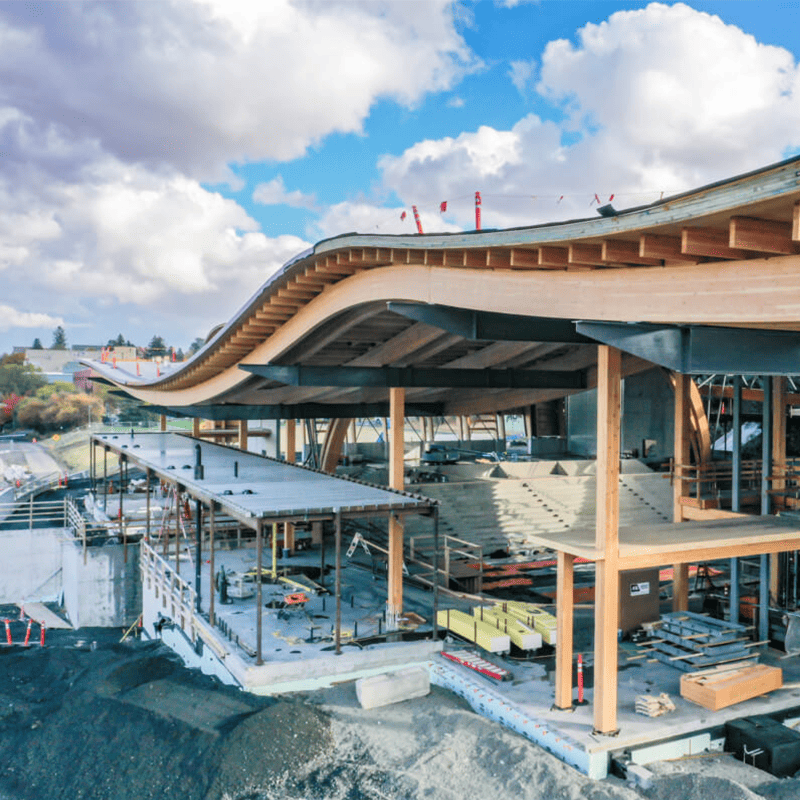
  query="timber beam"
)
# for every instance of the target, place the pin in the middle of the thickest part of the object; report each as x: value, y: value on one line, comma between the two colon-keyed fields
x: 236, y: 411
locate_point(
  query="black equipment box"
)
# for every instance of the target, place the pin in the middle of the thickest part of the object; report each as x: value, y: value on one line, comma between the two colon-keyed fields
x: 764, y: 743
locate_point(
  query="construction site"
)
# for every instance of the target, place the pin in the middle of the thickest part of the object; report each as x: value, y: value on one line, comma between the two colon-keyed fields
x: 548, y: 469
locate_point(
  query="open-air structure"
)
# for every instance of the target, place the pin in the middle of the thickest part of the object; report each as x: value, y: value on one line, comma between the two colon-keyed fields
x: 502, y: 320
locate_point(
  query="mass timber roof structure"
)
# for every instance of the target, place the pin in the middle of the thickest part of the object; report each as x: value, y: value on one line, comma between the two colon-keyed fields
x: 526, y: 303
x: 703, y: 282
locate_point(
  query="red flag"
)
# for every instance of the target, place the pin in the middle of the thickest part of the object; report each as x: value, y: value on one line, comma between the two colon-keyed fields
x: 596, y: 199
x: 402, y: 216
x: 560, y: 199
x: 611, y: 198
x: 443, y: 206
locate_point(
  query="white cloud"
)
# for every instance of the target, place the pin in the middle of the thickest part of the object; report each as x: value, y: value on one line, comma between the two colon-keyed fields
x: 646, y: 110
x: 521, y: 73
x: 12, y: 318
x: 365, y: 217
x: 273, y: 193
x: 141, y: 79
x: 456, y: 102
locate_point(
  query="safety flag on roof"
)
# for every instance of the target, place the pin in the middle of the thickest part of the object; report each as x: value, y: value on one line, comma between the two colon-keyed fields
x: 443, y: 206
x: 403, y: 216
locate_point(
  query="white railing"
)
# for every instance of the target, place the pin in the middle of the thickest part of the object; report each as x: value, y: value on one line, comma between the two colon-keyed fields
x: 178, y: 598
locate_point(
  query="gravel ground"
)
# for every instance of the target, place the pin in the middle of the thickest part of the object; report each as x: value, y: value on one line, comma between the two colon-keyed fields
x: 87, y: 717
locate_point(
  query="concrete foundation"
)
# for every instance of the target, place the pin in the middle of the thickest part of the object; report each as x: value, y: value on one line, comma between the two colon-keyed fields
x: 106, y: 591
x: 31, y: 565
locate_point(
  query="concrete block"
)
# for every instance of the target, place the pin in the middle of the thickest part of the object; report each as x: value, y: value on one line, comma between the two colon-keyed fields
x: 640, y: 776
x: 383, y: 690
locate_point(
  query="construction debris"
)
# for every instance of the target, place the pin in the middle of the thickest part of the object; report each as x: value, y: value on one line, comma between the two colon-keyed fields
x: 654, y: 706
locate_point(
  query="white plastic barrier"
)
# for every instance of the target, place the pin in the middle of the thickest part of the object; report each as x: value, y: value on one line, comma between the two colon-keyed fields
x: 383, y: 690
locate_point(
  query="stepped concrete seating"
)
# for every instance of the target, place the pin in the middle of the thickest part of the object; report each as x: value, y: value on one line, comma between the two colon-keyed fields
x: 500, y: 513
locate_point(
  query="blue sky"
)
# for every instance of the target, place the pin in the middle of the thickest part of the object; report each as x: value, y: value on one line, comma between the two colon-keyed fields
x: 158, y: 161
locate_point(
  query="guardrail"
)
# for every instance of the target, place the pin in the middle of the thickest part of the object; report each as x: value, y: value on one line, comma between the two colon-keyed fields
x: 178, y: 598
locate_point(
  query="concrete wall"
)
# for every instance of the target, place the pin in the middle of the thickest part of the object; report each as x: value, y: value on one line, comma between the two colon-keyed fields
x: 647, y: 413
x: 104, y: 592
x: 31, y: 565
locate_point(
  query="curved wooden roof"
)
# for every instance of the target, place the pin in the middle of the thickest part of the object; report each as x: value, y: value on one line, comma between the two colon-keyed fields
x: 727, y: 254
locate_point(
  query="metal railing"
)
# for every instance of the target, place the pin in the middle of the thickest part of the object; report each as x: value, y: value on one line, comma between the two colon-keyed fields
x: 178, y: 598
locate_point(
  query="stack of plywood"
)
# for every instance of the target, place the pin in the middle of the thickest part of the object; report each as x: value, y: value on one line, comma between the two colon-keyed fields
x: 725, y: 686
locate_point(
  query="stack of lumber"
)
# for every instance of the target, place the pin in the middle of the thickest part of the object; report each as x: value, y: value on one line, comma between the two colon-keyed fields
x: 687, y: 641
x: 654, y: 706
x: 534, y: 617
x: 522, y: 635
x: 728, y: 684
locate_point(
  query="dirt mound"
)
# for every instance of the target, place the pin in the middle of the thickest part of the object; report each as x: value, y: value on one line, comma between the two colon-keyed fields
x: 71, y: 731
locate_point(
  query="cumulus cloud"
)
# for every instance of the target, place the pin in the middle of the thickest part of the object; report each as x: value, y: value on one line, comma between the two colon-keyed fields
x: 665, y: 98
x: 141, y: 79
x: 273, y: 193
x: 12, y: 318
x: 116, y: 117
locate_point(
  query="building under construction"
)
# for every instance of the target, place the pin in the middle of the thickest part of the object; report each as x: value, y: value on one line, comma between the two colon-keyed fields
x: 630, y: 349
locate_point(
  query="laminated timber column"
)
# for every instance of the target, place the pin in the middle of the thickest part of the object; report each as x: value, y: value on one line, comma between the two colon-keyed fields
x: 682, y: 450
x: 291, y: 450
x: 163, y: 422
x: 394, y: 602
x: 606, y: 607
x: 564, y: 617
x: 195, y: 426
x: 243, y: 441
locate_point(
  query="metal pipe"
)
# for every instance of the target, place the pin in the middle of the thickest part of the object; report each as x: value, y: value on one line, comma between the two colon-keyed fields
x: 435, y: 573
x: 105, y: 480
x: 147, y: 524
x: 211, y: 562
x: 274, y: 551
x: 338, y: 632
x: 259, y: 554
x: 199, y: 552
x: 736, y: 487
x: 766, y: 472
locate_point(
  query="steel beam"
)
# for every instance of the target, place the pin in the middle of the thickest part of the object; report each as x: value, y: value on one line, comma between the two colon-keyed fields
x: 490, y: 325
x: 413, y: 377
x: 229, y: 411
x: 700, y: 349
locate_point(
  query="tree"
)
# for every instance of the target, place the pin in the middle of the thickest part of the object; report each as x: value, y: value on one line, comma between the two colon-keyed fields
x: 21, y: 379
x: 118, y: 342
x: 156, y: 347
x: 37, y: 344
x: 196, y: 345
x: 179, y: 355
x: 59, y: 339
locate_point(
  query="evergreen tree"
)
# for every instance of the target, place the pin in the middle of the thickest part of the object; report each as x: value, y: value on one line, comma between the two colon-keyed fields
x: 37, y: 344
x: 156, y: 347
x: 59, y: 339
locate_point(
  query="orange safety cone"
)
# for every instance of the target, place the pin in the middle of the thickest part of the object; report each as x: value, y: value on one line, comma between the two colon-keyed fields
x: 28, y: 634
x: 41, y: 634
x: 8, y: 633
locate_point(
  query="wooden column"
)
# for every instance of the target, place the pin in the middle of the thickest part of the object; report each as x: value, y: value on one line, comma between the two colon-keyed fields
x: 291, y: 451
x: 564, y: 615
x: 195, y: 426
x: 243, y: 440
x: 680, y: 487
x: 394, y: 604
x: 606, y: 607
x: 501, y: 429
x: 163, y: 422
